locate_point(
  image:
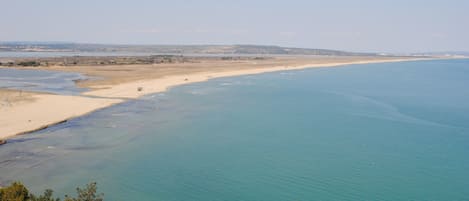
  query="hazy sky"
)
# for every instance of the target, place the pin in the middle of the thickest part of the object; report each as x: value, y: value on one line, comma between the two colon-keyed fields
x: 367, y: 25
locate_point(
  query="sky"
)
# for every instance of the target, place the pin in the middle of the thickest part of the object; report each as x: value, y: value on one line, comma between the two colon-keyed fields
x: 397, y: 26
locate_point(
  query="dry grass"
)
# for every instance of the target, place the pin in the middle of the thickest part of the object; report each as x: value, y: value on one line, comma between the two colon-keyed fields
x: 10, y: 97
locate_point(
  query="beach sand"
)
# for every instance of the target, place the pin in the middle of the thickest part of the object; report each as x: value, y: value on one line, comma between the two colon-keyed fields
x: 29, y: 112
x: 43, y: 110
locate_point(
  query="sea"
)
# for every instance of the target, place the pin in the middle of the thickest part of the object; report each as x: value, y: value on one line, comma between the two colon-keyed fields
x: 389, y: 131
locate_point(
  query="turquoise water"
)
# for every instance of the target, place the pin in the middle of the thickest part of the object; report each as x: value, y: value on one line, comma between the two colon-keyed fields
x: 394, y: 131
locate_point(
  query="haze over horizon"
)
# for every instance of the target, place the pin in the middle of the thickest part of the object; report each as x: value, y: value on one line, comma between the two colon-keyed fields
x: 363, y: 26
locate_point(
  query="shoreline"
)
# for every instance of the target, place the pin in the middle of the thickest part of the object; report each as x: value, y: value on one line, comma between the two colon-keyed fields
x: 37, y: 115
x: 150, y: 86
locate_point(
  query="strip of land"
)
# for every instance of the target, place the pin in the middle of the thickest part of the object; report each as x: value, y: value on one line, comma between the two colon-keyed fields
x: 23, y: 112
x: 33, y: 111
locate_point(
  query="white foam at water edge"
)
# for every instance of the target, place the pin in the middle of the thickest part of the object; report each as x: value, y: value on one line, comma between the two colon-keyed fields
x: 226, y: 84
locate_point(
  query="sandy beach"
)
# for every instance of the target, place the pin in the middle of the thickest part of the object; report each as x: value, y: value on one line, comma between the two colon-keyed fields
x: 35, y: 111
x: 46, y: 110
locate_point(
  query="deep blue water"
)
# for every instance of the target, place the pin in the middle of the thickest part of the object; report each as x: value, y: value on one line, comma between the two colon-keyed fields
x: 393, y: 131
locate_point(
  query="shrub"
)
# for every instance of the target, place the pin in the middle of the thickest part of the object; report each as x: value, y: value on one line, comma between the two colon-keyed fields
x: 29, y: 63
x: 18, y: 192
x: 15, y: 192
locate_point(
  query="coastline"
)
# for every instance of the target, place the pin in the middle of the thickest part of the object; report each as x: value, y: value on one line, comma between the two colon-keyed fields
x: 47, y: 110
x: 149, y: 86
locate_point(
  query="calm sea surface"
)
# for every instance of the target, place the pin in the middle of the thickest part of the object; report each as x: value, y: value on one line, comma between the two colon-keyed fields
x: 9, y: 54
x: 394, y: 131
x: 41, y: 81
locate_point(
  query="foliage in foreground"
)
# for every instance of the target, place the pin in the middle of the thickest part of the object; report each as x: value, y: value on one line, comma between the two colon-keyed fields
x: 18, y: 192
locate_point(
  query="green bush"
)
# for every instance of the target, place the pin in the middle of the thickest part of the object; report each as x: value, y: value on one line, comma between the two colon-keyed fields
x: 15, y: 192
x: 18, y: 192
x: 29, y: 63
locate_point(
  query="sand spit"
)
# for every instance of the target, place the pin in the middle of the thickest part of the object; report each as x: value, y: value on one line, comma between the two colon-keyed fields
x: 43, y: 110
x: 46, y: 110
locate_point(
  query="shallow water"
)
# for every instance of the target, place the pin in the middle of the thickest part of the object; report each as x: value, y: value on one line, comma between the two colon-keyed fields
x: 41, y: 81
x: 394, y: 131
x: 68, y: 54
x: 8, y: 55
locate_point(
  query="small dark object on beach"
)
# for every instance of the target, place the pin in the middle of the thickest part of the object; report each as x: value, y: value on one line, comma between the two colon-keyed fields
x: 140, y: 89
x: 186, y: 79
x: 3, y: 142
